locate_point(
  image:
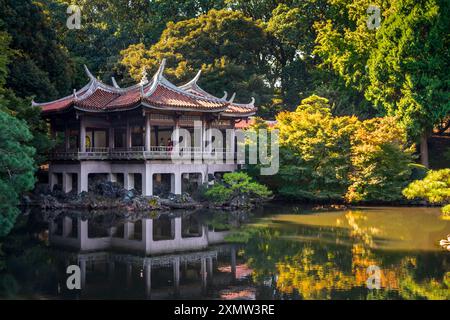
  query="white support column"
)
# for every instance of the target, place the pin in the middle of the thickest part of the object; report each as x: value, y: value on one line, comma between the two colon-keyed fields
x: 67, y: 182
x: 177, y: 228
x: 175, y: 183
x: 147, y: 132
x: 230, y: 145
x: 147, y: 234
x: 128, y: 181
x: 147, y: 182
x: 82, y: 135
x: 128, y: 230
x: 52, y: 180
x: 82, y: 180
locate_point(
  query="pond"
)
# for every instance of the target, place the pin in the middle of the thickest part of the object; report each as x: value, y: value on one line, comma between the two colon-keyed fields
x: 280, y: 252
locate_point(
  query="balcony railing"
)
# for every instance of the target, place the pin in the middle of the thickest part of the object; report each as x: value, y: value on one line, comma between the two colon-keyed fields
x: 139, y: 153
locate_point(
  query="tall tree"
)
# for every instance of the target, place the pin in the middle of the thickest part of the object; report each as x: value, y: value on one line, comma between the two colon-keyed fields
x: 401, y: 66
x: 229, y: 48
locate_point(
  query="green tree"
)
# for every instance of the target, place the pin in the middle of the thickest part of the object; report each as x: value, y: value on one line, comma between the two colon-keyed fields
x: 16, y: 168
x: 314, y: 152
x: 401, y: 66
x: 381, y: 161
x: 226, y: 45
x: 435, y: 188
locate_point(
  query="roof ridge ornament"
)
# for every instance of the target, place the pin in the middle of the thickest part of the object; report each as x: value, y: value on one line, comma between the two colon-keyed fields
x: 232, y: 97
x: 224, y: 96
x: 89, y: 74
x: 114, y: 82
x: 160, y: 71
x: 75, y: 94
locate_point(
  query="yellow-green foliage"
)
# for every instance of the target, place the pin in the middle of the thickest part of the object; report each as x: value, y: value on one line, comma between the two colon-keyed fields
x: 435, y: 188
x: 326, y: 157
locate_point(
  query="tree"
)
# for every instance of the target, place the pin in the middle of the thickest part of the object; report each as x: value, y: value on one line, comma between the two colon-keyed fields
x: 381, y: 161
x: 314, y: 152
x: 408, y: 72
x: 435, y: 188
x: 226, y: 45
x: 401, y: 66
x: 16, y: 168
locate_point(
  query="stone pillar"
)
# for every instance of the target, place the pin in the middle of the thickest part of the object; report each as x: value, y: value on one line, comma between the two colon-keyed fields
x: 175, y: 183
x: 52, y: 180
x: 82, y: 235
x: 147, y: 132
x: 67, y: 226
x: 82, y: 135
x: 178, y: 228
x: 67, y: 182
x: 147, y: 234
x: 111, y: 138
x: 147, y: 182
x: 128, y: 230
x: 128, y: 181
x: 176, y: 274
x: 82, y: 180
x: 148, y: 279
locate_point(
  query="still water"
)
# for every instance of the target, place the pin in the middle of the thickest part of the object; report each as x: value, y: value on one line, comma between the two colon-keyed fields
x: 281, y: 252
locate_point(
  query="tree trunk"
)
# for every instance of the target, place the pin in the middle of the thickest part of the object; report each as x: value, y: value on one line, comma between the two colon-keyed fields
x: 424, y: 150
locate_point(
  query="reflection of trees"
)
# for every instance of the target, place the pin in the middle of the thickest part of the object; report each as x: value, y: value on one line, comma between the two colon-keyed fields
x: 315, y: 268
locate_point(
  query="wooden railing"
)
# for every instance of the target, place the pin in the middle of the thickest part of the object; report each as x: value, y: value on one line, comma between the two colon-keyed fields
x: 139, y: 152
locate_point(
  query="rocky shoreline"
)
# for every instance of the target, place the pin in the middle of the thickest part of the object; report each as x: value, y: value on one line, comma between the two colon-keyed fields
x: 112, y: 196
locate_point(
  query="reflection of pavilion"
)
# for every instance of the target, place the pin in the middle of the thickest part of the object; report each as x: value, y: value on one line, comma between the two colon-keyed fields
x: 189, y: 274
x: 148, y: 236
x: 186, y: 256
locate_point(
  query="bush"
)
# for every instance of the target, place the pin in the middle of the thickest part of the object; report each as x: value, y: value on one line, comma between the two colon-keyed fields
x: 435, y: 188
x: 237, y: 184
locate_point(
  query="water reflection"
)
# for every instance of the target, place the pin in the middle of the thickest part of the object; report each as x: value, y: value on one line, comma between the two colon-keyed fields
x: 282, y: 254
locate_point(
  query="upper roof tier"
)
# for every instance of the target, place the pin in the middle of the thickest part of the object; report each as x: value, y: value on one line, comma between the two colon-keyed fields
x: 158, y: 93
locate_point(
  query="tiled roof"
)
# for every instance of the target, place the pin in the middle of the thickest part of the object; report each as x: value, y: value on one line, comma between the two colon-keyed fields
x: 159, y: 93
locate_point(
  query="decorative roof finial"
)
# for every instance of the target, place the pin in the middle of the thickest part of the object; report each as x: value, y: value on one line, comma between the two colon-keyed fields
x: 225, y: 95
x: 75, y: 94
x: 89, y: 74
x: 144, y: 79
x: 232, y: 98
x: 113, y: 80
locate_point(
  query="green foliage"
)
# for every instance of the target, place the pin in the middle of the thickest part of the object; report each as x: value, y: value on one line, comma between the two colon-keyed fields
x: 402, y: 66
x: 324, y: 157
x: 315, y: 151
x: 16, y: 168
x: 236, y: 184
x: 380, y: 160
x: 225, y: 44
